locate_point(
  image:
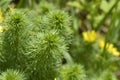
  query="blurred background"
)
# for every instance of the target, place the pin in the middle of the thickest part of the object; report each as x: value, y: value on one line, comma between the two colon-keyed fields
x: 94, y: 40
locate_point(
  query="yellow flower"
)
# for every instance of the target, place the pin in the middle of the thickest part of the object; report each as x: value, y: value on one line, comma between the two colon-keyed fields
x: 1, y: 17
x: 1, y: 29
x: 116, y: 53
x: 109, y: 47
x: 89, y: 36
x: 101, y: 44
x: 113, y: 50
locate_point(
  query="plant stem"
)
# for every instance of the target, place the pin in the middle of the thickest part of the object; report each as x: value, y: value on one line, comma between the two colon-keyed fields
x: 109, y: 31
x: 68, y: 58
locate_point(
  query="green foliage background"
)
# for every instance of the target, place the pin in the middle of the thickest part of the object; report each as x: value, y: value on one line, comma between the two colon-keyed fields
x: 42, y: 40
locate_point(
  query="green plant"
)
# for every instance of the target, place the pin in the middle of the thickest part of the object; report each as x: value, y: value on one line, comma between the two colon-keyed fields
x: 47, y: 56
x: 72, y: 72
x: 37, y: 48
x: 14, y: 41
x: 45, y: 43
x: 12, y: 75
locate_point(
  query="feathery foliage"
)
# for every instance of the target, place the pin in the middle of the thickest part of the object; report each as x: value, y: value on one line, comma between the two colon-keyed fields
x: 72, y: 72
x: 42, y: 42
x: 15, y: 40
x: 12, y: 75
x: 40, y: 51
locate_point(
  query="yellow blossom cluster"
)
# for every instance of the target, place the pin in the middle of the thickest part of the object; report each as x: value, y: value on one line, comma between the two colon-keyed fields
x: 110, y: 48
x: 89, y: 36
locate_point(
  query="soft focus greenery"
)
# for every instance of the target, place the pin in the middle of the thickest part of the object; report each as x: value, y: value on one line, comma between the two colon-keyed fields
x: 59, y: 40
